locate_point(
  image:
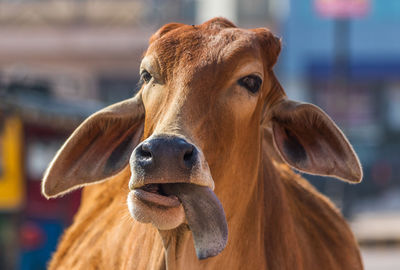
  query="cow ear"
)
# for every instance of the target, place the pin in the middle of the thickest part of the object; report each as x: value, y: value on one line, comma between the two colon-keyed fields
x: 270, y: 44
x: 99, y: 148
x: 163, y: 30
x: 309, y: 141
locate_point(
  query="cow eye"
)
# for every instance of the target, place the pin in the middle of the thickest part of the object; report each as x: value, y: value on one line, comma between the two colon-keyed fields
x: 145, y: 76
x: 251, y: 83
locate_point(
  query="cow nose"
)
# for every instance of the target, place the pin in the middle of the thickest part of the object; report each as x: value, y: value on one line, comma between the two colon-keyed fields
x: 172, y: 152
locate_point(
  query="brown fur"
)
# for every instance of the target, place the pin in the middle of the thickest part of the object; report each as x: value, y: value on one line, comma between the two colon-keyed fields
x: 276, y: 220
x: 299, y: 229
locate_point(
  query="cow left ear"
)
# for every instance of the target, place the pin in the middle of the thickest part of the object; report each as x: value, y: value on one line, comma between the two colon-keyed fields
x: 309, y: 141
x: 98, y: 149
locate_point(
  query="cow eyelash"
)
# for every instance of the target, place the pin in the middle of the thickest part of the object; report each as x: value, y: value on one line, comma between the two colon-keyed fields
x: 251, y: 82
x: 145, y: 76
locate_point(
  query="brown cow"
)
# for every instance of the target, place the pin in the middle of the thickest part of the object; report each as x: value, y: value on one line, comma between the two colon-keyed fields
x: 210, y: 113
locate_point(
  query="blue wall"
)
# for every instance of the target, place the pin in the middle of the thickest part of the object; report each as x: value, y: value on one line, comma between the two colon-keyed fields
x: 306, y: 36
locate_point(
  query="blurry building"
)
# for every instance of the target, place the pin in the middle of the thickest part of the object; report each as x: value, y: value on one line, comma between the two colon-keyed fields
x: 350, y: 68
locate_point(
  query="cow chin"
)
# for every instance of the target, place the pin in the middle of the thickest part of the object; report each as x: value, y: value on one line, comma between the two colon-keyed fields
x: 163, y: 218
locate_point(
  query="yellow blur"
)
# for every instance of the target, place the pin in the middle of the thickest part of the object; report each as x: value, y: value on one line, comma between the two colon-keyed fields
x: 11, y: 181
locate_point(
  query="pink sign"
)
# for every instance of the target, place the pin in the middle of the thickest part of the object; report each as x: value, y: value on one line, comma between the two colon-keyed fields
x: 342, y: 8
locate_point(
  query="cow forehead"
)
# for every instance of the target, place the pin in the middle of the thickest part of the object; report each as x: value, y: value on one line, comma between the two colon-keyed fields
x: 194, y: 47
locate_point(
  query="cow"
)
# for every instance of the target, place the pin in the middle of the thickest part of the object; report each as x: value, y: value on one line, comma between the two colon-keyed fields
x: 195, y: 171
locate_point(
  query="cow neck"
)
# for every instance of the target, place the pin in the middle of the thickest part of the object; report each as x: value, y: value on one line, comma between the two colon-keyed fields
x: 175, y: 243
x: 249, y: 208
x: 259, y: 205
x: 278, y: 227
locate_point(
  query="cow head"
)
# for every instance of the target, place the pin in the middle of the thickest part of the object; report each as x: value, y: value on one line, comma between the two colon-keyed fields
x: 208, y: 97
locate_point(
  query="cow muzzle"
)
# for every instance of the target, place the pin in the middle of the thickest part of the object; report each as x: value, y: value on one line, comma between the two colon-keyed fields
x: 171, y: 184
x: 168, y: 159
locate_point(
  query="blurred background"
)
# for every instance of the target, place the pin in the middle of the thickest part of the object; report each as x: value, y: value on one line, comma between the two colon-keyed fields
x: 61, y: 60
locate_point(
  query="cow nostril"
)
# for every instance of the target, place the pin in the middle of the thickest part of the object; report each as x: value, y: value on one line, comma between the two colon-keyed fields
x: 145, y: 151
x: 145, y: 154
x: 189, y: 157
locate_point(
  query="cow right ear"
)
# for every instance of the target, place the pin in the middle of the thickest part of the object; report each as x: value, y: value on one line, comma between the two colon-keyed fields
x: 98, y: 149
x: 309, y: 141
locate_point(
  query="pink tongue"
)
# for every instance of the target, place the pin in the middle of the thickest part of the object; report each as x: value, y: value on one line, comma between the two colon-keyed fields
x: 170, y: 201
x: 205, y: 216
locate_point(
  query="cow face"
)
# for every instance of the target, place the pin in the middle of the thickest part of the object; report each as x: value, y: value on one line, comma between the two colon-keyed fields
x: 203, y: 91
x: 208, y: 97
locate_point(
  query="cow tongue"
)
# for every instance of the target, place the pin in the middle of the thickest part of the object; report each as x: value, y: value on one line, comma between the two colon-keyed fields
x: 205, y: 216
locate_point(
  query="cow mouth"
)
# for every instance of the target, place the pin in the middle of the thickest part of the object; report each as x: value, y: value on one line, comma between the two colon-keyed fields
x: 156, y: 195
x: 168, y: 205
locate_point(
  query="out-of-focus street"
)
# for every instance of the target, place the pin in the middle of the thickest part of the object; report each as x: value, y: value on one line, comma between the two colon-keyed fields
x: 376, y: 225
x: 381, y: 258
